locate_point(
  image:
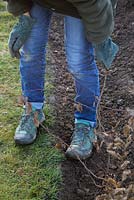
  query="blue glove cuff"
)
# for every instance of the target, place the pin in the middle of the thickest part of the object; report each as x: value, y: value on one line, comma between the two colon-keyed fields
x: 106, y: 52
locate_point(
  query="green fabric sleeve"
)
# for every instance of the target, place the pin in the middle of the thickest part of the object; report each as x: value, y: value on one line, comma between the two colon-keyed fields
x: 114, y: 3
x: 18, y: 7
x: 98, y: 18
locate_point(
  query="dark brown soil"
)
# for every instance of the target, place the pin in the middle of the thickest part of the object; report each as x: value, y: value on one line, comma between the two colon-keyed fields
x: 117, y: 98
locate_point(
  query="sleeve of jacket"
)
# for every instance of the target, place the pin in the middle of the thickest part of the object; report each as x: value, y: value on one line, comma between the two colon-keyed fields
x: 18, y: 7
x: 98, y: 18
x: 114, y: 4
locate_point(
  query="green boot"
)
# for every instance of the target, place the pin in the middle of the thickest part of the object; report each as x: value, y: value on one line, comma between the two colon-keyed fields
x: 26, y: 131
x: 82, y: 141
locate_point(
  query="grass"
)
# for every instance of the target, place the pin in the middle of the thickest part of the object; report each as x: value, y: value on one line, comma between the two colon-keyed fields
x: 31, y: 172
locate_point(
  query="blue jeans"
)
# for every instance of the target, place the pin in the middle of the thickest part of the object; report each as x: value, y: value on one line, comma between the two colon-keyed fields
x: 80, y: 57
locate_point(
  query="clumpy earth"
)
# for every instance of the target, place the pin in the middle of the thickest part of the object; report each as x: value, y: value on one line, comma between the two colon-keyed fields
x: 112, y: 161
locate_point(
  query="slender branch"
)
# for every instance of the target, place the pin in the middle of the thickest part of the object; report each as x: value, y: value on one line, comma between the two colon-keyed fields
x: 100, y: 97
x: 113, y: 109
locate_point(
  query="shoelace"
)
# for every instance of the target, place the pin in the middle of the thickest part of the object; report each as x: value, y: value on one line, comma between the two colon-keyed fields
x: 25, y: 118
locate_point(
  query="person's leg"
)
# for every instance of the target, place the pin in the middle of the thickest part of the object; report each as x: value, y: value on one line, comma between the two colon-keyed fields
x: 32, y: 71
x: 81, y: 64
x: 32, y: 61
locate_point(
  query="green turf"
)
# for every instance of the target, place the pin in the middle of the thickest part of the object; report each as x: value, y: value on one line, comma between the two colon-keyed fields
x: 30, y: 172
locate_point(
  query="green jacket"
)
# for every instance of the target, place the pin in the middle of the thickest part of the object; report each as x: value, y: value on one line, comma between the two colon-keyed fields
x: 97, y: 15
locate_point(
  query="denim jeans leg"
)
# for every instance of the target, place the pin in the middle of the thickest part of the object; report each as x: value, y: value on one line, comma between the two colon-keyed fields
x: 32, y: 61
x: 81, y: 64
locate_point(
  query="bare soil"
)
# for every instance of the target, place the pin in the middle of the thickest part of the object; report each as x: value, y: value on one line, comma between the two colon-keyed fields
x: 116, y: 117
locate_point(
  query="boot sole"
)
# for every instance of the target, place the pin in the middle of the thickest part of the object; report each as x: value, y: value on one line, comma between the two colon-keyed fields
x: 23, y: 142
x: 74, y: 157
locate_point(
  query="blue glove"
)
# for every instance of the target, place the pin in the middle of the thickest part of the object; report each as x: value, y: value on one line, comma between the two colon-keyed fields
x: 106, y: 52
x: 20, y: 34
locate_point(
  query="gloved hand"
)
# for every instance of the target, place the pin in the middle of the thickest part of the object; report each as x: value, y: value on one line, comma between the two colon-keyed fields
x: 20, y: 34
x: 106, y: 52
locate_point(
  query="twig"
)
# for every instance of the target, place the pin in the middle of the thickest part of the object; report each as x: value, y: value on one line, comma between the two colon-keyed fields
x: 108, y: 163
x: 113, y: 109
x: 100, y: 97
x: 90, y: 172
x: 102, y: 91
